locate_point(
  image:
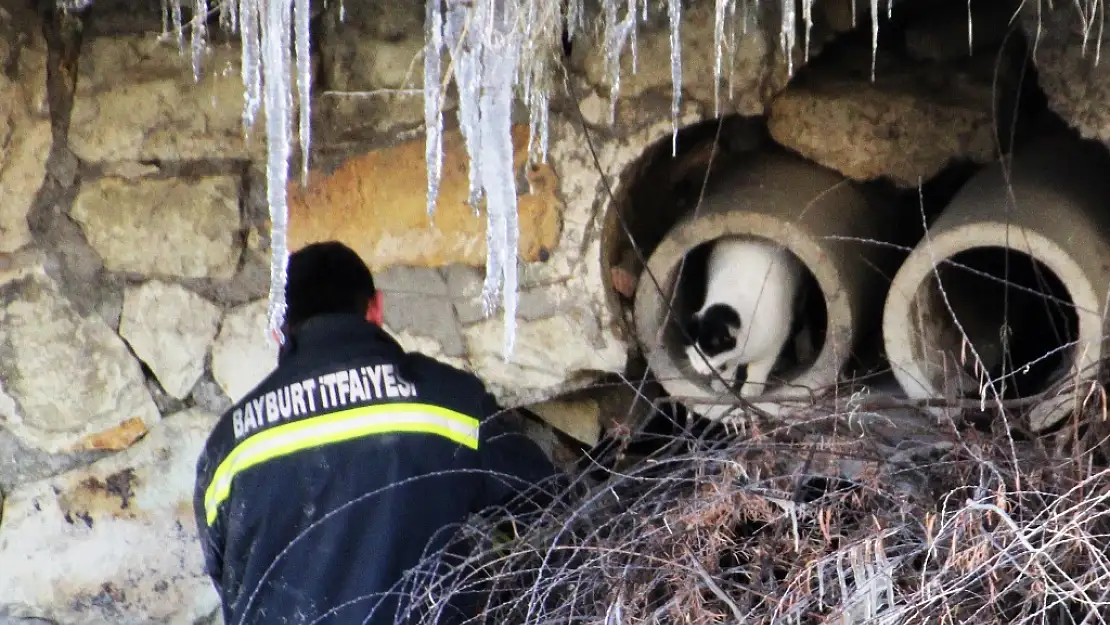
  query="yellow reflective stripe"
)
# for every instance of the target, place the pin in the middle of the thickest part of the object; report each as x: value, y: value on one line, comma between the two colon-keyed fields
x: 336, y: 427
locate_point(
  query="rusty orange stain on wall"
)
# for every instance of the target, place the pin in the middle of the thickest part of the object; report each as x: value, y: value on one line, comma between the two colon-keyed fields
x: 377, y: 204
x: 114, y: 439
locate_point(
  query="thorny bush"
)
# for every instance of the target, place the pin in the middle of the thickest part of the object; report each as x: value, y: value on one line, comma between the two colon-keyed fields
x: 835, y: 519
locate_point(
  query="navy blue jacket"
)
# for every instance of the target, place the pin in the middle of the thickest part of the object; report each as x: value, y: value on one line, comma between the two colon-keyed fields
x: 349, y: 464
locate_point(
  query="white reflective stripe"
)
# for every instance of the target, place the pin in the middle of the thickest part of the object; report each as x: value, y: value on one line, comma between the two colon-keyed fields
x: 336, y: 427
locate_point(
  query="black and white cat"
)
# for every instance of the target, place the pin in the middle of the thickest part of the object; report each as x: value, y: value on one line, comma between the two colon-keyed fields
x: 752, y: 290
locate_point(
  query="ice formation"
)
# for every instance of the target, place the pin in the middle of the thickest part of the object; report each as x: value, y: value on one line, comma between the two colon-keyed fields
x: 497, y: 50
x: 493, y: 51
x: 275, y: 39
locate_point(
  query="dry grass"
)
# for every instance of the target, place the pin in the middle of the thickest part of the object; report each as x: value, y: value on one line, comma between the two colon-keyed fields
x: 836, y: 520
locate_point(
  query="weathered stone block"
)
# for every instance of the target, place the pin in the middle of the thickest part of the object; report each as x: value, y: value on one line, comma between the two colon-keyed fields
x: 170, y: 328
x: 427, y: 346
x: 416, y: 301
x: 548, y: 354
x: 137, y: 100
x: 244, y: 354
x: 25, y: 135
x: 114, y: 542
x: 377, y: 47
x: 465, y: 290
x: 377, y: 204
x: 66, y: 378
x: 579, y: 418
x: 759, y: 69
x: 170, y: 227
x: 908, y: 125
x: 1065, y: 47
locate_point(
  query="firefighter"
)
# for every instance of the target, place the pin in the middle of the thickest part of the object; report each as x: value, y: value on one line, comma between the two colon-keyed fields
x: 349, y: 463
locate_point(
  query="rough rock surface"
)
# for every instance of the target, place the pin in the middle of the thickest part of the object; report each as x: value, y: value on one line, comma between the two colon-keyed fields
x: 196, y: 224
x: 759, y: 67
x: 25, y: 135
x: 427, y: 346
x: 137, y: 100
x: 577, y: 417
x: 170, y: 329
x: 546, y: 350
x: 113, y: 543
x: 65, y: 377
x: 243, y: 354
x: 376, y: 49
x: 908, y: 125
x: 416, y: 300
x: 1069, y: 68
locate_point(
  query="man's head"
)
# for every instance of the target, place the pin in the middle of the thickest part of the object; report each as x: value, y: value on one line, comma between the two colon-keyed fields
x: 326, y: 278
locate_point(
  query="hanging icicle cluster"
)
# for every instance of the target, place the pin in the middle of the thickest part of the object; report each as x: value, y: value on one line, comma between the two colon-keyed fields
x: 497, y: 50
x: 274, y: 38
x: 494, y: 46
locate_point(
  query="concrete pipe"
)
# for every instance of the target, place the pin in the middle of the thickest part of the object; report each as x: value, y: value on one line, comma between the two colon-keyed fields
x: 1009, y: 285
x: 820, y: 217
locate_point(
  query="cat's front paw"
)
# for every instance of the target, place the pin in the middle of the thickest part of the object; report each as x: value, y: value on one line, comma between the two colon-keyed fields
x: 719, y: 385
x: 699, y: 363
x: 750, y: 389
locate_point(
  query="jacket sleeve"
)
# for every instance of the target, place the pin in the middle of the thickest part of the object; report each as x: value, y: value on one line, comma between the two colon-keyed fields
x: 210, y: 536
x: 518, y: 473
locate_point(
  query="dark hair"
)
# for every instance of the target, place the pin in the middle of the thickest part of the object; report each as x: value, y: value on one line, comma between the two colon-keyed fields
x: 326, y: 277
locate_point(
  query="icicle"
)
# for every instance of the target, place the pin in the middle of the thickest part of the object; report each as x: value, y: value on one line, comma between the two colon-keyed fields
x: 198, y: 34
x: 541, y: 126
x: 970, y: 47
x: 250, y: 26
x: 166, y: 9
x: 674, y: 10
x: 616, y: 34
x: 433, y: 108
x: 500, y: 53
x: 486, y: 49
x: 612, y: 56
x: 807, y: 17
x: 229, y: 16
x: 178, y: 23
x: 732, y: 43
x: 73, y: 5
x: 463, y: 42
x: 301, y: 15
x: 573, y: 18
x: 277, y: 98
x: 270, y: 31
x: 719, y: 12
x: 788, y: 33
x: 631, y: 11
x: 874, y: 36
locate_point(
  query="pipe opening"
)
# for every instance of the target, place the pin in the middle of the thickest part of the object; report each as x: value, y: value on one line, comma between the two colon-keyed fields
x: 807, y: 334
x: 1014, y: 311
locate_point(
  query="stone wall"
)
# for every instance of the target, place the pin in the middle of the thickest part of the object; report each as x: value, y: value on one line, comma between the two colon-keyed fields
x: 134, y: 242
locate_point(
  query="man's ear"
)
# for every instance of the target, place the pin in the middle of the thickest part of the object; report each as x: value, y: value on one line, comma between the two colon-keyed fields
x: 375, y: 312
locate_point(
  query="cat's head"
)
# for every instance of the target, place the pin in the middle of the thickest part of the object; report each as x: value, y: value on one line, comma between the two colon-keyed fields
x: 714, y: 334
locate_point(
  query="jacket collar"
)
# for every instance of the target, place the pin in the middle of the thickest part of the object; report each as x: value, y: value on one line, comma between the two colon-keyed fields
x: 326, y: 331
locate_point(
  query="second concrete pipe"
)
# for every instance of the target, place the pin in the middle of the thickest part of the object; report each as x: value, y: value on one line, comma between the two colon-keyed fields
x: 826, y: 221
x: 976, y: 283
